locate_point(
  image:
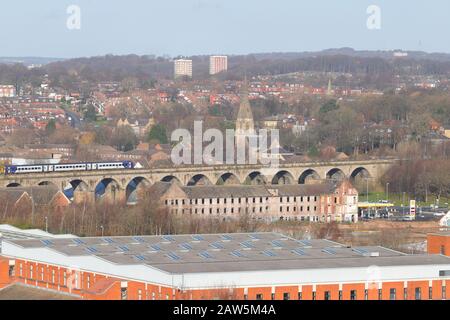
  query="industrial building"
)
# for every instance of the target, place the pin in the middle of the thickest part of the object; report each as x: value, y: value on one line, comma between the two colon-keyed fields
x: 245, y: 266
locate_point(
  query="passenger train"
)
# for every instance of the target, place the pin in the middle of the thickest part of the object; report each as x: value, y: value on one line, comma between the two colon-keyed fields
x: 64, y: 167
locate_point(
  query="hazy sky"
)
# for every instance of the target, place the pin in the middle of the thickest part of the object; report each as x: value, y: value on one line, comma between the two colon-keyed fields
x: 38, y: 28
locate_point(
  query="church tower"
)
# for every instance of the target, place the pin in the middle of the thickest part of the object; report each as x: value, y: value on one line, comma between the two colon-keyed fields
x: 245, y: 134
x: 244, y: 122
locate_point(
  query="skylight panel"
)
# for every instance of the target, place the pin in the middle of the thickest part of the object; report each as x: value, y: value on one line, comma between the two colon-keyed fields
x: 168, y: 238
x: 205, y: 255
x: 47, y: 242
x: 78, y: 241
x: 299, y: 252
x: 173, y: 256
x: 186, y: 246
x: 237, y: 254
x: 124, y: 248
x: 277, y: 243
x: 269, y: 253
x: 226, y: 237
x: 198, y: 237
x: 108, y: 240
x: 329, y: 251
x: 91, y: 250
x: 155, y: 247
x: 306, y: 243
x: 217, y: 245
x: 140, y: 257
x: 247, y: 245
x: 138, y: 239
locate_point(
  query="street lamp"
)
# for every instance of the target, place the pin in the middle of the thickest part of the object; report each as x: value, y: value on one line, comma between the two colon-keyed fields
x: 46, y: 224
x: 387, y: 191
x: 102, y: 228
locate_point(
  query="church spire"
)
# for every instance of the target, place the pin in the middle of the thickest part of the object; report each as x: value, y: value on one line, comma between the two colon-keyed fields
x: 244, y: 121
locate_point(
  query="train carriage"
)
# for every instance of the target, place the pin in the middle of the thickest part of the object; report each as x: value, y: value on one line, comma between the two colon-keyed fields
x: 66, y: 167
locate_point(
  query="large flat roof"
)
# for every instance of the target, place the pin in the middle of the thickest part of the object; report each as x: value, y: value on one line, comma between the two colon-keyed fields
x: 236, y: 252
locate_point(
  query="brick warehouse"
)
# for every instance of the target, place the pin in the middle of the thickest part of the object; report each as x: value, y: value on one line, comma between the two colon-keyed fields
x: 254, y: 266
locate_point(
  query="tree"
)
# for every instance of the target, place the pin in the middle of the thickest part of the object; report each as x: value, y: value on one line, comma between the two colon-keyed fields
x: 123, y: 138
x: 50, y: 128
x: 328, y: 106
x: 158, y: 133
x: 90, y: 114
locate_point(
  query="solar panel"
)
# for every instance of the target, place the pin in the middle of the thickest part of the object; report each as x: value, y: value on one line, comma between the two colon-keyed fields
x: 108, y: 240
x: 197, y: 237
x: 255, y: 236
x: 329, y: 251
x: 124, y: 248
x: 299, y: 252
x: 269, y: 253
x: 205, y: 255
x: 226, y: 237
x: 173, y: 256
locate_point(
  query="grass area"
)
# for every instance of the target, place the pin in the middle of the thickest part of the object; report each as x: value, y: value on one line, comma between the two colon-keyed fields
x: 399, y: 199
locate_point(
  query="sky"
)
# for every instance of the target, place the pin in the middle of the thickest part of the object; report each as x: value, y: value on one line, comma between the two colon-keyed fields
x: 190, y: 27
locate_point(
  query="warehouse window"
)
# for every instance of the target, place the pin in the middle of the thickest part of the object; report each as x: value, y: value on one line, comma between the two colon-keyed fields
x: 300, y: 296
x: 31, y: 272
x: 286, y: 296
x: 21, y: 270
x: 314, y: 295
x: 392, y: 294
x: 272, y: 296
x: 65, y: 278
x: 444, y: 292
x: 259, y: 296
x: 88, y: 281
x: 327, y: 295
x: 430, y: 293
x: 418, y: 294
x: 123, y: 293
x: 405, y: 293
x: 139, y: 294
x: 443, y: 250
x: 366, y: 294
x: 353, y: 295
x: 380, y: 294
x: 340, y: 294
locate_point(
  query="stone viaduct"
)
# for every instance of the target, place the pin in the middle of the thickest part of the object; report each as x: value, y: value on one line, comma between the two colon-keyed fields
x: 122, y: 185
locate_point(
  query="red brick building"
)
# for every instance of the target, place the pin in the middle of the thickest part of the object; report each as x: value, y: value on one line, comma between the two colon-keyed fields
x: 252, y: 266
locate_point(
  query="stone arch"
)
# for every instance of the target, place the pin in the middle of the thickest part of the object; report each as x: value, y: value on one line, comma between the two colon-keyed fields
x: 360, y: 173
x: 76, y: 185
x: 283, y: 177
x: 170, y: 178
x: 108, y: 188
x: 255, y: 178
x: 228, y: 179
x: 308, y: 176
x: 335, y: 174
x: 199, y: 180
x: 13, y: 185
x: 135, y: 188
x: 47, y: 183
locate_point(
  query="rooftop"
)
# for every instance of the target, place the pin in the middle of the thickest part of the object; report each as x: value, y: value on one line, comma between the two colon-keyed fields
x: 226, y: 252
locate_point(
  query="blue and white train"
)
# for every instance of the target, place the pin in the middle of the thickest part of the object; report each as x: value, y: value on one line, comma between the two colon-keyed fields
x: 63, y: 167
